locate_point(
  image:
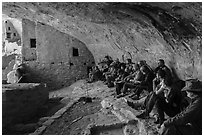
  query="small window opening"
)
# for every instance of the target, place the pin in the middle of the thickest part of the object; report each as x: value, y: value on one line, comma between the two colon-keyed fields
x: 14, y: 34
x: 75, y: 52
x: 8, y: 35
x: 71, y: 64
x: 32, y: 43
x: 9, y: 28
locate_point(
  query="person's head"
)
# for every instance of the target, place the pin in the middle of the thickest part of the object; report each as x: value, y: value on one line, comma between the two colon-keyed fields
x: 161, y: 62
x: 130, y: 67
x: 107, y: 57
x: 112, y: 68
x: 129, y: 61
x: 122, y: 67
x: 193, y: 88
x: 144, y: 69
x: 136, y: 67
x: 141, y: 63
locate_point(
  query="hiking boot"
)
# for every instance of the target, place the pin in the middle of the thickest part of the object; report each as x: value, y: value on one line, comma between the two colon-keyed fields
x: 158, y: 121
x: 144, y: 115
x: 130, y: 104
x: 135, y: 98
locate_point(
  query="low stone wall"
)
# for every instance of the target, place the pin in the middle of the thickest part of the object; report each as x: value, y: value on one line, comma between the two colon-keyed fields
x: 21, y: 102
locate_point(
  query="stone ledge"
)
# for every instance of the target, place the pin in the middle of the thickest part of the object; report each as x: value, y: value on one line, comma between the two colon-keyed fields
x: 51, y: 120
x: 123, y: 114
x: 21, y: 102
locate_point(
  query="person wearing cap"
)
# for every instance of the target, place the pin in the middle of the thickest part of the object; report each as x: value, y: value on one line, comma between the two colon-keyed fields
x: 189, y: 121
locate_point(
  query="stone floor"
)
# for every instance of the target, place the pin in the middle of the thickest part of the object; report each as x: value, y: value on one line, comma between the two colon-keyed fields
x: 104, y: 113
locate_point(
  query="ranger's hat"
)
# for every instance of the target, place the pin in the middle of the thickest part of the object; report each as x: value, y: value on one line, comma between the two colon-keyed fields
x: 193, y: 85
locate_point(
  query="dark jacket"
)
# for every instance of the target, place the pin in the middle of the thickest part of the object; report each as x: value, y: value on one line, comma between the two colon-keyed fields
x: 148, y: 78
x: 174, y: 96
x: 192, y: 114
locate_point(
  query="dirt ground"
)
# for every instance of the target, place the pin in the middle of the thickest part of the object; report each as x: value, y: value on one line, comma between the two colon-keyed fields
x: 81, y: 114
x: 75, y: 119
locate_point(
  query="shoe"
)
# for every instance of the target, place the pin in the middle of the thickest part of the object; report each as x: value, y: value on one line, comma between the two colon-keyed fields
x: 135, y: 98
x: 158, y: 121
x: 130, y: 104
x: 144, y: 115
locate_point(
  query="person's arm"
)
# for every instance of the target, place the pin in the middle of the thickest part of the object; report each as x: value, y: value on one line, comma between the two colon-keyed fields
x: 160, y: 90
x: 187, y: 115
x: 128, y: 77
x: 138, y: 77
x: 155, y: 81
x: 145, y: 81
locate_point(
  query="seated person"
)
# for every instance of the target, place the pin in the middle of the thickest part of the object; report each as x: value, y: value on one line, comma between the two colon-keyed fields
x: 120, y: 80
x: 108, y: 60
x: 189, y: 121
x: 111, y: 76
x: 160, y: 93
x: 116, y: 64
x: 146, y: 83
x: 95, y: 74
x: 121, y: 73
x: 161, y: 65
x: 134, y: 80
x: 143, y: 62
x: 129, y: 62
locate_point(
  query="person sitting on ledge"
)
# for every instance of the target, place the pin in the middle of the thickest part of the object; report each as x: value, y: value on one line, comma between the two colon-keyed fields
x: 135, y: 79
x: 161, y: 65
x: 163, y: 96
x: 146, y: 83
x: 189, y: 121
x: 95, y: 74
x: 122, y: 77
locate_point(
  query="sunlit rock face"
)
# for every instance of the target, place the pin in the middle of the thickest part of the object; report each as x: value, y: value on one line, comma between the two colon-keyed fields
x: 148, y: 31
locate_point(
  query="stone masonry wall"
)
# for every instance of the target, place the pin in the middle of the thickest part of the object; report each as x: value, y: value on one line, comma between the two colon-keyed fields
x: 28, y: 53
x: 55, y: 64
x: 20, y: 102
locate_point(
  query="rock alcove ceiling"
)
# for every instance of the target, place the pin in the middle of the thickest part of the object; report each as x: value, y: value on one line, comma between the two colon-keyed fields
x: 148, y: 31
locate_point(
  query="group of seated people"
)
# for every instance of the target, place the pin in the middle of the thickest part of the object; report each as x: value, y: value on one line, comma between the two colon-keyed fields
x: 180, y: 100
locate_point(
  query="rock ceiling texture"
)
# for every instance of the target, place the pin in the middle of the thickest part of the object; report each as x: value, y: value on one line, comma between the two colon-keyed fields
x: 148, y: 31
